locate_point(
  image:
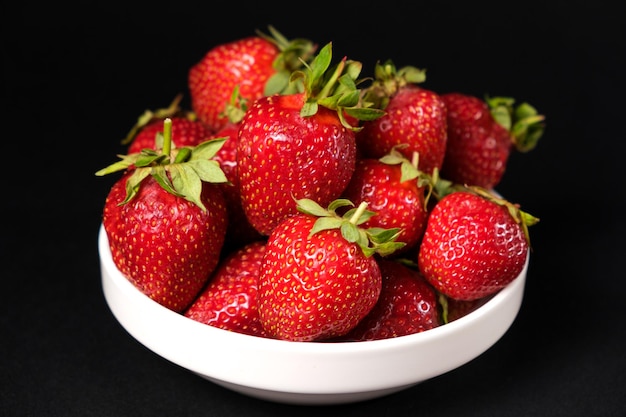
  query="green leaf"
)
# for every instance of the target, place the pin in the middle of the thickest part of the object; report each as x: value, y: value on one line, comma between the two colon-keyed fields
x: 187, y: 183
x: 309, y: 109
x: 182, y: 155
x: 338, y: 203
x: 349, y: 99
x: 148, y: 157
x: 380, y: 235
x: 208, y: 149
x: 326, y: 223
x: 308, y: 206
x: 134, y: 182
x: 277, y: 83
x: 350, y: 232
x: 160, y: 175
x: 321, y: 62
x: 127, y: 161
x: 208, y: 170
x: 364, y: 113
x: 408, y: 171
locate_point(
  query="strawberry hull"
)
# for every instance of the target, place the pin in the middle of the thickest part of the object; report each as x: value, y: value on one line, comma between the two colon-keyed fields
x: 337, y: 372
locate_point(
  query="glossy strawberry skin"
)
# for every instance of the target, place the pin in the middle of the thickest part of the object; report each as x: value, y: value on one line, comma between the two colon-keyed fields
x: 229, y: 301
x: 472, y: 247
x: 165, y: 245
x: 317, y: 287
x: 185, y: 132
x: 283, y: 155
x: 396, y: 203
x: 246, y: 63
x: 240, y: 231
x: 414, y: 116
x: 407, y: 305
x: 478, y: 147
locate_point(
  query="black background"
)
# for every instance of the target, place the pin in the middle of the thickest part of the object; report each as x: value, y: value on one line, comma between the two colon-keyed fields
x: 75, y: 80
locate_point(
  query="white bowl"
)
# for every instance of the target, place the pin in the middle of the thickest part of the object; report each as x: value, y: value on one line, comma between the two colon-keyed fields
x: 306, y: 373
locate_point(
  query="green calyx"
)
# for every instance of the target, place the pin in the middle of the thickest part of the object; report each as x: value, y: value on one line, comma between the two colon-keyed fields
x: 409, y: 170
x: 523, y: 121
x: 522, y: 218
x: 372, y: 240
x: 388, y: 80
x: 334, y: 87
x: 294, y: 53
x: 180, y: 171
x: 236, y: 107
x: 149, y: 116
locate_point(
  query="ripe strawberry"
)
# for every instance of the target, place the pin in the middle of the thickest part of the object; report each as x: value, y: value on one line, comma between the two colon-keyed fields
x: 414, y: 116
x: 240, y: 231
x: 166, y: 220
x: 407, y: 304
x: 319, y: 277
x: 300, y: 145
x: 229, y: 301
x: 482, y: 134
x: 393, y: 189
x: 474, y: 244
x: 258, y: 65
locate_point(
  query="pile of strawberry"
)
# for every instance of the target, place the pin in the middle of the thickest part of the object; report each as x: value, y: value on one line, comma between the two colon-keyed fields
x: 300, y: 200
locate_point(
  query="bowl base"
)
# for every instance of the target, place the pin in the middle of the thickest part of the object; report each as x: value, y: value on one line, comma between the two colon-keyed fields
x: 307, y: 399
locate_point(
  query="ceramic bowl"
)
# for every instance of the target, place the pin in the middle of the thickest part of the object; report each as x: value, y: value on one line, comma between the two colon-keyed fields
x: 306, y: 373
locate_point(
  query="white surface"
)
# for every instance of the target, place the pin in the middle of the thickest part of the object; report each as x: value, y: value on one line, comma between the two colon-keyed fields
x: 306, y: 372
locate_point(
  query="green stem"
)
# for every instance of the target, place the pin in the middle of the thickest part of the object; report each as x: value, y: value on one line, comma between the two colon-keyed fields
x: 358, y: 212
x: 167, y: 136
x: 331, y: 82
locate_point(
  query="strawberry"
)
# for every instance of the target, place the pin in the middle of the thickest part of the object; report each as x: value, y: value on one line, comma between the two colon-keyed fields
x: 407, y: 304
x: 258, y: 65
x: 300, y: 145
x: 229, y: 301
x: 319, y: 277
x: 474, y: 244
x: 393, y: 189
x: 482, y: 134
x: 414, y: 116
x: 166, y: 220
x: 240, y: 231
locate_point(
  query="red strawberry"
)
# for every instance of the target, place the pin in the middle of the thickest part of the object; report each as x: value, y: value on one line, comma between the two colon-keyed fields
x: 414, y: 116
x: 392, y: 188
x: 474, y: 244
x: 166, y: 221
x: 229, y: 301
x: 407, y: 304
x: 257, y: 65
x: 482, y: 134
x: 299, y: 145
x: 319, y: 277
x: 240, y: 231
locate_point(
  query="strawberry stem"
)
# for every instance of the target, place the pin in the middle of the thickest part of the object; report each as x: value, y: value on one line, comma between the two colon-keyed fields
x: 358, y: 212
x: 330, y: 85
x: 167, y: 136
